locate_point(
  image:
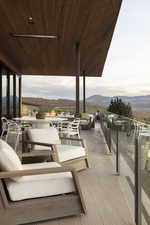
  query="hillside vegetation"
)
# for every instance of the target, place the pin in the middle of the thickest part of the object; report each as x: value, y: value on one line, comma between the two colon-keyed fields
x: 69, y: 105
x: 61, y: 104
x: 138, y: 103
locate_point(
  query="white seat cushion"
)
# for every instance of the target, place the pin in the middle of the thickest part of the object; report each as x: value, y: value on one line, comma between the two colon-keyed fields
x: 40, y: 125
x: 47, y: 136
x: 84, y: 122
x: 68, y: 152
x: 8, y: 158
x: 36, y: 186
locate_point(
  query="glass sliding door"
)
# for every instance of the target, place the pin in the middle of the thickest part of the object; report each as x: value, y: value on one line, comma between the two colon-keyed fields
x: 10, y: 93
x: 10, y: 96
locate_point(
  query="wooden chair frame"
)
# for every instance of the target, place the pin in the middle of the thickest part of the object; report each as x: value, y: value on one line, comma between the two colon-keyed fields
x: 79, y: 163
x: 40, y: 209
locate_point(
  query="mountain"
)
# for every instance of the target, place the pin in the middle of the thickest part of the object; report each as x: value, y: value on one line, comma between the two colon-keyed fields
x: 63, y: 104
x: 99, y: 99
x: 138, y: 103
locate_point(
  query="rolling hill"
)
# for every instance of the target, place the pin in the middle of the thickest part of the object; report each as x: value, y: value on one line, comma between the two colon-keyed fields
x: 138, y: 103
x: 63, y: 104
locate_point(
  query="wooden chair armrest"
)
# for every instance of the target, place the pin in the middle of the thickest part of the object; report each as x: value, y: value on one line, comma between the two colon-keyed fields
x: 34, y: 154
x: 71, y: 139
x: 19, y: 173
x: 74, y: 139
x: 38, y: 143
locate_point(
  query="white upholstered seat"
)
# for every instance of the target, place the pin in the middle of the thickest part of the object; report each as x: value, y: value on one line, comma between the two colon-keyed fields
x: 50, y: 136
x: 36, y: 186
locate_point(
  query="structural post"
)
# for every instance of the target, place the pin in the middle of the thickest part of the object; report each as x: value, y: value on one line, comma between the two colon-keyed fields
x: 0, y: 96
x: 138, y: 183
x: 84, y: 94
x: 14, y: 95
x: 20, y: 95
x: 78, y: 79
x: 8, y: 95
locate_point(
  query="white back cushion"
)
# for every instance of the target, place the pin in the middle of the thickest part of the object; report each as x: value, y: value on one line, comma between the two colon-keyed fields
x: 8, y: 158
x: 47, y: 136
x: 69, y: 152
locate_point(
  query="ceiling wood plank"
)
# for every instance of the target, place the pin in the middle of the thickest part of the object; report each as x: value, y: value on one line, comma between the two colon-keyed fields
x: 89, y: 22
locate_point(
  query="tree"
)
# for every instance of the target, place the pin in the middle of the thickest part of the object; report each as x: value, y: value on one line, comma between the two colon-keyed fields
x: 117, y: 106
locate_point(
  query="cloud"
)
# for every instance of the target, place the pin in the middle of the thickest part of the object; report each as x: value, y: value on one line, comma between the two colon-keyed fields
x: 64, y: 87
x: 126, y: 71
x: 48, y: 87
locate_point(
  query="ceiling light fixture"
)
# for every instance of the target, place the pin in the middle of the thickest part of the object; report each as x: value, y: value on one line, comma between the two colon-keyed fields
x: 34, y: 36
x: 30, y: 20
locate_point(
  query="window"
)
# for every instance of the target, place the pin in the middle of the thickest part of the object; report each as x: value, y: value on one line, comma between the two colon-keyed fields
x: 9, y: 103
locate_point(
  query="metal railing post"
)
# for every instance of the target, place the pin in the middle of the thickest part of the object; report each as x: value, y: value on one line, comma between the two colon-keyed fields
x: 110, y: 140
x: 117, y: 152
x: 138, y: 182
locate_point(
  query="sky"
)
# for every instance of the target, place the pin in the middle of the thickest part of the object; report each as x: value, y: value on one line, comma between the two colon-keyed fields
x: 127, y: 67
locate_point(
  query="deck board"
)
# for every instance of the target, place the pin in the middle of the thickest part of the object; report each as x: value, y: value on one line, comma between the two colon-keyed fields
x: 104, y: 193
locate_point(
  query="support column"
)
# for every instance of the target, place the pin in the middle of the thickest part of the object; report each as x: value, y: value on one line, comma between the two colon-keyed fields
x: 84, y: 94
x: 20, y: 95
x: 0, y: 96
x: 78, y: 79
x: 8, y: 95
x: 14, y: 95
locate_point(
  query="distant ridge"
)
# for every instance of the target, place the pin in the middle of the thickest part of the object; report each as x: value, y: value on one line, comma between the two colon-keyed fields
x: 64, y: 104
x: 138, y: 103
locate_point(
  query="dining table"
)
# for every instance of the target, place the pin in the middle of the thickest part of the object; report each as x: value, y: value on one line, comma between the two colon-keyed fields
x: 39, y: 123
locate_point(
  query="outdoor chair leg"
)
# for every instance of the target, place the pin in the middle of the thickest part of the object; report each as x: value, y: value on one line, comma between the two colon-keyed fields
x: 2, y: 134
x: 17, y: 142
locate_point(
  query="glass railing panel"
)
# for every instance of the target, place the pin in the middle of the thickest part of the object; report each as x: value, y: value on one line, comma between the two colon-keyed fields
x: 145, y: 173
x: 123, y: 132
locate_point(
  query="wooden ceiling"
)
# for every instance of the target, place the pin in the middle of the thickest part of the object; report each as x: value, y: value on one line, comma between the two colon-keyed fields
x: 90, y: 22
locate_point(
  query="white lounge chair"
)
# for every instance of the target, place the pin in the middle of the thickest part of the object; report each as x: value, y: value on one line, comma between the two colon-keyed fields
x: 36, y: 192
x: 65, y: 154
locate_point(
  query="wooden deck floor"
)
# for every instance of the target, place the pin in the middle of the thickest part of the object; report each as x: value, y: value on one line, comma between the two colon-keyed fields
x: 107, y: 196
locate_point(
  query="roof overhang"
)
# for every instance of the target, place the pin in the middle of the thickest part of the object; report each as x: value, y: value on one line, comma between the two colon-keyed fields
x: 89, y: 22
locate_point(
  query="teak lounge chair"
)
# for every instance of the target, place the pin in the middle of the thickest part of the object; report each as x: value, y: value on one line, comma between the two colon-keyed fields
x: 36, y: 192
x: 75, y: 156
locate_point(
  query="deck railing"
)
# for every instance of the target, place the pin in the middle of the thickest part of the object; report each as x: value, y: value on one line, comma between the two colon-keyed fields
x: 130, y: 141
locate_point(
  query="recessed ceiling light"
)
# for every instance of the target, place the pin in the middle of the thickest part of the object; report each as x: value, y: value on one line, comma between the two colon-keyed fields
x: 30, y: 20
